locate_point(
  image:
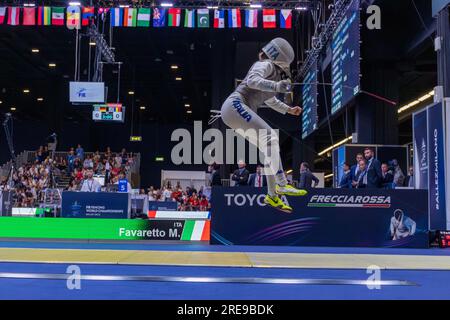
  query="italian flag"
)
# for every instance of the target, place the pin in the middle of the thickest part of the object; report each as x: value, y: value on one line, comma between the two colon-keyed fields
x: 44, y: 16
x: 143, y: 17
x: 13, y: 16
x: 57, y: 16
x: 196, y: 230
x: 129, y: 19
x: 174, y: 17
x: 269, y: 19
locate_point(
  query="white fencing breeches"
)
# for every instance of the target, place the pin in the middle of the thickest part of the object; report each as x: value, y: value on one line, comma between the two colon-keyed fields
x: 247, y: 123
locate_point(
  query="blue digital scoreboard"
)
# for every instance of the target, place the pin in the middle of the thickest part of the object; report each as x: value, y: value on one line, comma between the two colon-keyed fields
x: 309, y: 105
x: 345, y: 69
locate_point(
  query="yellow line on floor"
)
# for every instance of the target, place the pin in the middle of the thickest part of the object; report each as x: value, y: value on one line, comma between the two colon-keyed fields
x: 225, y: 259
x: 143, y: 257
x: 349, y: 261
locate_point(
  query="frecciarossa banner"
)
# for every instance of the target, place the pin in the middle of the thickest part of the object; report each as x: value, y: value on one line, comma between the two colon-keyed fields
x: 325, y: 217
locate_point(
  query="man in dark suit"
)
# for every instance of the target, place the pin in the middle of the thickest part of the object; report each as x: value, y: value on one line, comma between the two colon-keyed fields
x: 361, y: 177
x: 240, y: 176
x: 409, y: 180
x: 306, y: 177
x: 373, y: 169
x: 216, y: 180
x: 257, y: 179
x: 346, y: 180
x: 386, y: 176
x: 355, y: 168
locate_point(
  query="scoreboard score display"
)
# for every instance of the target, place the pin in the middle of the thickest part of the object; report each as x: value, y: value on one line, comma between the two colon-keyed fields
x: 309, y: 102
x: 345, y: 70
x: 108, y: 112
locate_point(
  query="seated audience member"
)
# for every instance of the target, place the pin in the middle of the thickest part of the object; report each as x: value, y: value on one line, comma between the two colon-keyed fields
x: 88, y: 163
x: 361, y: 177
x: 194, y: 202
x: 257, y: 180
x: 386, y: 176
x: 307, y: 179
x: 399, y: 177
x: 409, y: 180
x: 373, y: 168
x: 89, y: 184
x: 204, y: 203
x: 240, y: 176
x: 346, y: 180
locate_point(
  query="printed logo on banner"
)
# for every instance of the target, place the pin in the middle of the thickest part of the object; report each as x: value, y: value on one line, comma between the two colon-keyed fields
x: 436, y: 174
x: 349, y: 201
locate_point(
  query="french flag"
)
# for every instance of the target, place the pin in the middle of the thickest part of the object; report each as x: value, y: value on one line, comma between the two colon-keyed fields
x: 234, y: 18
x: 286, y: 19
x: 251, y: 19
x: 219, y: 19
x: 13, y: 16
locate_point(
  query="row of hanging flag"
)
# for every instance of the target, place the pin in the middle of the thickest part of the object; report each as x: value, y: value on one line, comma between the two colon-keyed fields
x: 74, y: 17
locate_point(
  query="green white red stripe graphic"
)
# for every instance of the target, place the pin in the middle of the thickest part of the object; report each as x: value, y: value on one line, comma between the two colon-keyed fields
x: 196, y: 230
x: 348, y: 205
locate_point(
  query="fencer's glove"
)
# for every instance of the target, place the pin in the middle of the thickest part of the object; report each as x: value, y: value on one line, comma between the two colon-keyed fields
x: 283, y: 86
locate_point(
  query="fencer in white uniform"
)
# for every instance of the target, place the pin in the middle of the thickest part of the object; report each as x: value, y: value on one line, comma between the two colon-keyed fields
x: 267, y: 78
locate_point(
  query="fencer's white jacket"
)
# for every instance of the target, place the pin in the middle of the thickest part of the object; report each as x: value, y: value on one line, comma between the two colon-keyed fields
x: 259, y: 87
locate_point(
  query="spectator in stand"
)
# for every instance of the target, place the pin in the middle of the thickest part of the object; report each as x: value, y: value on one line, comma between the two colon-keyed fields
x: 346, y: 180
x: 108, y: 153
x: 361, y: 176
x: 177, y: 193
x: 409, y: 181
x: 167, y: 193
x: 204, y: 203
x: 115, y: 170
x: 373, y: 169
x: 107, y: 165
x: 194, y: 202
x: 79, y: 152
x: 354, y: 170
x: 89, y: 184
x: 122, y: 182
x: 71, y: 160
x: 386, y: 176
x: 257, y: 179
x: 88, y: 163
x: 45, y: 152
x: 307, y: 178
x: 99, y: 167
x: 40, y: 157
x: 151, y: 194
x: 240, y: 176
x: 118, y: 159
x: 124, y: 156
x: 399, y: 177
